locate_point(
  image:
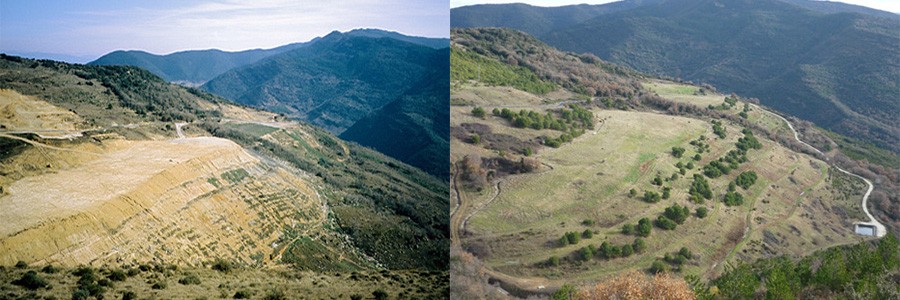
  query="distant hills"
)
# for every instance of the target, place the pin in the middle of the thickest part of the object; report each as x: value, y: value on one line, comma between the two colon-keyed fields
x: 830, y: 63
x: 190, y: 67
x: 332, y: 82
x: 343, y: 78
x: 196, y: 67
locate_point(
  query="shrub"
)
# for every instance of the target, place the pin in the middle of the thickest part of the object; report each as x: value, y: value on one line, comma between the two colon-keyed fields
x: 31, y: 280
x: 658, y: 267
x: 478, y: 112
x: 553, y: 261
x: 701, y: 212
x: 80, y: 294
x: 380, y: 294
x: 587, y: 233
x: 733, y: 199
x: 665, y: 223
x: 242, y: 294
x: 129, y: 295
x: 21, y: 264
x: 276, y: 295
x: 159, y: 285
x: 189, y: 279
x: 356, y: 297
x: 627, y: 229
x: 639, y: 245
x: 651, y: 197
x: 644, y: 227
x: 222, y: 265
x: 117, y: 275
x: 104, y: 282
x: 49, y: 269
x: 677, y: 152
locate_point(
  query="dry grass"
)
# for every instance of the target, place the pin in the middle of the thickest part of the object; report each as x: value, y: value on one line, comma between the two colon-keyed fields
x: 258, y: 282
x: 636, y: 286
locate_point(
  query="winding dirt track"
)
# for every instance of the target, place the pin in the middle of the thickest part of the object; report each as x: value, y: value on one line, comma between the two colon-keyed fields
x: 880, y: 229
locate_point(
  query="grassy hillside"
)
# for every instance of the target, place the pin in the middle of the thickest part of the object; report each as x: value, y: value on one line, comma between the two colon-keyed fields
x: 171, y: 175
x: 664, y: 175
x: 213, y: 281
x: 824, y: 62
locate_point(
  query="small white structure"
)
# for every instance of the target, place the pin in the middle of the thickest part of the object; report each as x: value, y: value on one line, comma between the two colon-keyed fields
x: 869, y: 229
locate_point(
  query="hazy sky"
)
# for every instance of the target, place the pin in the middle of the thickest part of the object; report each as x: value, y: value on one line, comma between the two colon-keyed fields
x: 887, y: 5
x: 93, y: 28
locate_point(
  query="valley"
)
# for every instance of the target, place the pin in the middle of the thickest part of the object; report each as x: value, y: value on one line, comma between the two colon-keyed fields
x: 183, y: 182
x: 542, y: 212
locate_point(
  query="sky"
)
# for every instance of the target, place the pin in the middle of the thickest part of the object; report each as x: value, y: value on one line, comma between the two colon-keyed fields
x: 85, y: 30
x: 886, y: 5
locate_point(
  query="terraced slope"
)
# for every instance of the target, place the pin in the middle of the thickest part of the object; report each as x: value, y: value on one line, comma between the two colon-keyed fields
x: 532, y: 170
x: 152, y: 172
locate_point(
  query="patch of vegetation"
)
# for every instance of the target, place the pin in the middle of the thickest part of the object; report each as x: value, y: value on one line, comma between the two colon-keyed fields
x: 745, y: 179
x: 189, y: 279
x: 699, y: 189
x: 467, y: 65
x: 31, y: 280
x: 861, y: 271
x: 733, y: 199
x: 236, y: 175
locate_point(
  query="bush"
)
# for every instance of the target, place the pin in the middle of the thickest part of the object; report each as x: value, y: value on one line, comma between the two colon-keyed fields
x: 627, y: 229
x: 356, y: 297
x: 49, y: 269
x: 129, y: 295
x: 639, y: 245
x: 651, y: 197
x: 276, y: 295
x: 80, y: 294
x: 159, y: 285
x: 242, y: 294
x: 733, y: 199
x: 31, y: 280
x: 478, y: 112
x: 587, y: 233
x: 117, y: 275
x: 677, y: 152
x: 380, y: 294
x: 746, y: 179
x: 189, y: 279
x: 665, y: 223
x: 658, y: 267
x: 701, y: 212
x: 21, y: 264
x: 553, y: 261
x: 644, y: 227
x: 222, y: 265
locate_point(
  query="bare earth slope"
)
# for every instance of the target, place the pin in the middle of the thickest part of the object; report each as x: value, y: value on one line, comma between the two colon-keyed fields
x: 174, y: 201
